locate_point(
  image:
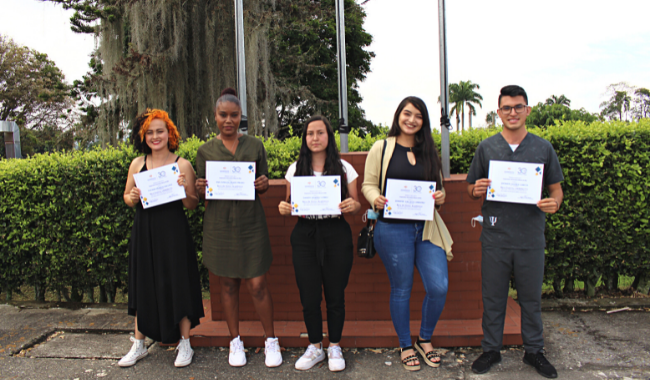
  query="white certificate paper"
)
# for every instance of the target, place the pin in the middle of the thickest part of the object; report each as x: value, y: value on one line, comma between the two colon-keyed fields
x: 515, y: 182
x: 231, y: 180
x: 409, y: 199
x: 316, y: 195
x: 159, y: 186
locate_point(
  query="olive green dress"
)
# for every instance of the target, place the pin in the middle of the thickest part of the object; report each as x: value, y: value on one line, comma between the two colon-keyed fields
x: 235, y: 236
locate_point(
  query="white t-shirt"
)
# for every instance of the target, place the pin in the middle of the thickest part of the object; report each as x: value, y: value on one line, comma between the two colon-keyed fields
x: 351, y: 174
x: 514, y: 146
x: 349, y: 171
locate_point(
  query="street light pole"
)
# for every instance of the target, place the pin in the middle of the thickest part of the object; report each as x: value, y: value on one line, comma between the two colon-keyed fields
x: 344, y: 128
x: 444, y: 91
x: 241, y: 64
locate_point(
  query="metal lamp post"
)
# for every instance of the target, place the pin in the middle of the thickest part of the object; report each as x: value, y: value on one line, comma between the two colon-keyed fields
x: 344, y: 128
x: 241, y: 64
x: 444, y: 91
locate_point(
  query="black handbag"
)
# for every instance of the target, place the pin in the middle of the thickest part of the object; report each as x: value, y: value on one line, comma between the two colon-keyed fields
x: 365, y: 241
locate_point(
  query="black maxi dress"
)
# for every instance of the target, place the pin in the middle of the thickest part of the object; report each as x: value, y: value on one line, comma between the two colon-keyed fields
x: 164, y: 284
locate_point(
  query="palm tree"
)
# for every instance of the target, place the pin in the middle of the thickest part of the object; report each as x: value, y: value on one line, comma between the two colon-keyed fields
x: 619, y: 104
x: 561, y: 100
x: 462, y: 94
x: 491, y: 118
x: 457, y: 105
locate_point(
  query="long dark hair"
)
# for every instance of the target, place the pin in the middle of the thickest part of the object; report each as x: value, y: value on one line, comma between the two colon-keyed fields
x: 424, y: 149
x: 333, y: 164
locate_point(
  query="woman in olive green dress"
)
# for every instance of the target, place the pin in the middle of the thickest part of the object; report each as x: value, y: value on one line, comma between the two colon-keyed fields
x: 236, y: 241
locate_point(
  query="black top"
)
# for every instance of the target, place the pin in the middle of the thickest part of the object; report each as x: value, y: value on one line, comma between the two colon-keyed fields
x: 514, y: 225
x: 399, y: 167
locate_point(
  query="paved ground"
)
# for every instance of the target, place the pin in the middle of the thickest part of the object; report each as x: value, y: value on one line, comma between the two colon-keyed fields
x: 57, y: 343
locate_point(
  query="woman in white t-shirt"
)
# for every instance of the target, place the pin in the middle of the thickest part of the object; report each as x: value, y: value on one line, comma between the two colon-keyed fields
x: 322, y: 244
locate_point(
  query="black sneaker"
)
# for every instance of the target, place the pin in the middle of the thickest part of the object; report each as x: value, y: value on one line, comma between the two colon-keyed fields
x: 540, y: 363
x: 485, y: 361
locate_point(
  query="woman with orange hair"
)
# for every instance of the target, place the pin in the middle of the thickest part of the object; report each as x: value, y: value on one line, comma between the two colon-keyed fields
x: 164, y: 289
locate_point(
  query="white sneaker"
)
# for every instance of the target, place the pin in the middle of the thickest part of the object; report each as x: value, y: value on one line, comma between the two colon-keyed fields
x: 335, y: 358
x: 310, y: 358
x: 185, y: 353
x: 237, y: 357
x: 272, y: 352
x: 138, y: 351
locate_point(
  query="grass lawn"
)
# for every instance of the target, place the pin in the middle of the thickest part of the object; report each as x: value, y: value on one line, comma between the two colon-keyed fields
x: 624, y: 282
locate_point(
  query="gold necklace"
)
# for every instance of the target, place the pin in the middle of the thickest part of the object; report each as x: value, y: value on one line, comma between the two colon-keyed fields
x: 154, y: 164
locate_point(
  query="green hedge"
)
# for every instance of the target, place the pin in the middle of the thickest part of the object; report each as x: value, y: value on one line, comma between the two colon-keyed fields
x: 64, y: 224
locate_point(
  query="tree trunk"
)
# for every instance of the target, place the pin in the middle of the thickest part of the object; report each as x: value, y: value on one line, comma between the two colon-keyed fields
x: 90, y: 294
x: 470, y: 119
x: 590, y: 286
x: 66, y: 295
x: 39, y: 292
x: 569, y: 285
x: 76, y: 295
x: 463, y: 116
x: 612, y: 282
x: 102, y: 294
x: 644, y: 284
x: 557, y: 287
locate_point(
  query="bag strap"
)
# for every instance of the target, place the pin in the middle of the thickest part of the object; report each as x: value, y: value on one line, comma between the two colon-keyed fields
x: 381, y: 169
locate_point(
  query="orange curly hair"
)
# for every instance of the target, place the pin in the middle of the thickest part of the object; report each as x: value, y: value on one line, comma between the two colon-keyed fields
x: 152, y: 114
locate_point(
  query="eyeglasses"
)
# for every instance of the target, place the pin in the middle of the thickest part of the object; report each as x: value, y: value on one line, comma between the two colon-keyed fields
x: 519, y: 108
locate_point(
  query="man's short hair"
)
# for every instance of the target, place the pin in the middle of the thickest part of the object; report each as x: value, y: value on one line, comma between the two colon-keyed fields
x: 512, y: 91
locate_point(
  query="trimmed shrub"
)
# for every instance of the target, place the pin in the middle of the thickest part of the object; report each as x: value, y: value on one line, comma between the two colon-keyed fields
x: 64, y: 224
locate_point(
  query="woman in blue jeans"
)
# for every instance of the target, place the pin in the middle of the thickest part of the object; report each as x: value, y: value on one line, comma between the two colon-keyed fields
x: 410, y: 154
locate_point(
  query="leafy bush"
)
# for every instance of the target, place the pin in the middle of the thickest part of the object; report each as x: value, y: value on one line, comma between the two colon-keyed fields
x: 64, y: 224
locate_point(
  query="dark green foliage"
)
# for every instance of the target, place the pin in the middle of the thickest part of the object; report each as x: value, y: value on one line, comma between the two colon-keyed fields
x: 303, y: 61
x: 63, y: 221
x: 542, y: 115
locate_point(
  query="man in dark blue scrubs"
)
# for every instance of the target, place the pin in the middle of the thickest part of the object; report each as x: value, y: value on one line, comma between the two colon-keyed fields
x: 513, y: 234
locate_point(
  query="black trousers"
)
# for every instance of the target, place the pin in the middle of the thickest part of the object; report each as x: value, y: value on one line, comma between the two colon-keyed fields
x: 496, y: 266
x: 322, y: 261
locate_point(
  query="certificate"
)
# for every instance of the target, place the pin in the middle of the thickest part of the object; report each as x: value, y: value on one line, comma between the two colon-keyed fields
x: 316, y: 195
x: 159, y: 186
x: 515, y: 182
x: 231, y: 180
x: 409, y: 199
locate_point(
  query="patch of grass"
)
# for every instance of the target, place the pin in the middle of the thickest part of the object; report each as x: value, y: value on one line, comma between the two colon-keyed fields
x: 624, y: 282
x: 26, y: 293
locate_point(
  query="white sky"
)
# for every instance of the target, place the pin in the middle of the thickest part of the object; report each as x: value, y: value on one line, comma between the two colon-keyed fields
x: 550, y: 47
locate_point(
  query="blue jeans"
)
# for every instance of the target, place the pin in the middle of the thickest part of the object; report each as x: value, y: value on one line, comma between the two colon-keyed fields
x: 401, y: 248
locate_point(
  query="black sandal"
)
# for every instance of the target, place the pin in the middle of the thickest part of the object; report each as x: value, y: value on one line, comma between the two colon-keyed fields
x: 409, y: 359
x: 428, y: 356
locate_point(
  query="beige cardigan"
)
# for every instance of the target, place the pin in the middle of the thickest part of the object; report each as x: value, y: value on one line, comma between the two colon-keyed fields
x: 434, y: 231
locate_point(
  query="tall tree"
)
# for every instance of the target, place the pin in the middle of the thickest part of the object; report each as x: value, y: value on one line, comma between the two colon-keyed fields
x: 179, y: 56
x: 33, y: 92
x: 561, y: 100
x: 642, y: 101
x: 542, y: 115
x: 161, y: 54
x: 617, y: 105
x: 304, y: 61
x: 458, y: 105
x: 464, y: 94
x: 491, y: 118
